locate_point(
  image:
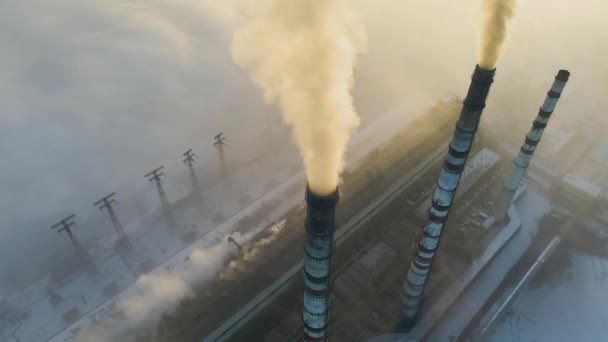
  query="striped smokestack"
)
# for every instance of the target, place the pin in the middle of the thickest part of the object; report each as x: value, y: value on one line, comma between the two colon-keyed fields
x: 532, y: 139
x: 447, y: 184
x: 320, y: 223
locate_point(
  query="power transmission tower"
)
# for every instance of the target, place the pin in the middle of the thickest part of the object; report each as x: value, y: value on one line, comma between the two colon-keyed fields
x: 189, y: 159
x: 106, y: 203
x: 154, y: 176
x: 220, y: 142
x: 64, y: 226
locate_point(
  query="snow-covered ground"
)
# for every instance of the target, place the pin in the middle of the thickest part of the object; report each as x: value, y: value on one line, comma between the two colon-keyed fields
x: 574, y: 310
x: 530, y: 207
x: 87, y: 300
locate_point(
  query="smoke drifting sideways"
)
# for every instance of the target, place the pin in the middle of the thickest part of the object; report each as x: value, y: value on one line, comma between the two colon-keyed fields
x: 157, y: 294
x: 496, y: 16
x: 252, y: 253
x: 302, y: 54
x: 161, y: 293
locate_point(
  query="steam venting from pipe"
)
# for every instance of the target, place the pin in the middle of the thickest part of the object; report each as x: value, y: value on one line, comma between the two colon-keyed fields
x: 302, y: 54
x: 158, y: 293
x: 252, y: 252
x: 161, y: 292
x: 496, y: 16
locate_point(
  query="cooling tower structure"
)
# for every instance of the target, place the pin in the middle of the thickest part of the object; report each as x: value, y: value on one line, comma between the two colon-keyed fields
x: 428, y: 241
x: 320, y: 224
x: 532, y: 139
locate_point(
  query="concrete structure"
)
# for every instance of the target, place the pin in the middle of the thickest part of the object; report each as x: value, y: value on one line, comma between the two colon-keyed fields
x: 320, y: 224
x: 447, y: 185
x: 532, y: 139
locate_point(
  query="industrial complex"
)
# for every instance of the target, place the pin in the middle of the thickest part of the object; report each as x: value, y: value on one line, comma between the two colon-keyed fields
x: 439, y: 227
x: 375, y: 288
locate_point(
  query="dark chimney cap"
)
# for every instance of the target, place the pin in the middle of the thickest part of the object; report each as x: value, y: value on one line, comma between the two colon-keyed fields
x: 323, y: 201
x: 563, y: 75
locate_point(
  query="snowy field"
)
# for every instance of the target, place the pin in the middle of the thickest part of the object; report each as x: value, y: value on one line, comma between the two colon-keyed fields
x: 574, y: 310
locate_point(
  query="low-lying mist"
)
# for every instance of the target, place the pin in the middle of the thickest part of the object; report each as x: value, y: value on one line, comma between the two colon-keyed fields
x: 160, y: 293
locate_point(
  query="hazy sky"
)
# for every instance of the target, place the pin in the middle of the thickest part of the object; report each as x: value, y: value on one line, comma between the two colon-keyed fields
x: 95, y: 93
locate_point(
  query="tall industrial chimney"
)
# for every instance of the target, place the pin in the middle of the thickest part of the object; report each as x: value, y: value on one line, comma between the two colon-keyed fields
x: 532, y: 139
x: 428, y: 241
x: 320, y: 223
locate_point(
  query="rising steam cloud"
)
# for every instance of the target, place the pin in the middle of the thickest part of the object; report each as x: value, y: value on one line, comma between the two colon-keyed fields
x: 158, y: 294
x: 161, y: 293
x: 496, y: 15
x: 302, y: 54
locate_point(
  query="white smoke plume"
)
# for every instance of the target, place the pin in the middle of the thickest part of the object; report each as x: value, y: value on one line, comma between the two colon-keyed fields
x: 158, y: 294
x: 302, y: 54
x: 161, y: 293
x: 253, y: 252
x: 496, y: 16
